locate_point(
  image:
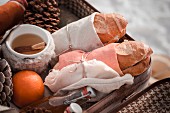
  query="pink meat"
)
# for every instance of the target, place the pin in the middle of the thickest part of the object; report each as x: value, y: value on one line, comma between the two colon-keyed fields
x: 106, y: 54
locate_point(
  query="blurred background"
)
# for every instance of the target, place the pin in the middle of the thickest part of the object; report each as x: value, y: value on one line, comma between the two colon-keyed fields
x: 148, y: 20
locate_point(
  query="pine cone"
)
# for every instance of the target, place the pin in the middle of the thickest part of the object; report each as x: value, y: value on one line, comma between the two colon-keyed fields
x: 43, y: 13
x: 36, y: 110
x: 6, y: 86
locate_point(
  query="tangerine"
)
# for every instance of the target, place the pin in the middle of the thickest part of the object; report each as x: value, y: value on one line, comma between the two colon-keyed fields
x: 27, y: 88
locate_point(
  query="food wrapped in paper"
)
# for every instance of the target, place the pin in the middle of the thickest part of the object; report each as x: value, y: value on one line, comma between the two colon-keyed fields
x: 93, y: 73
x: 127, y: 55
x: 90, y: 32
x: 77, y: 69
x: 77, y: 35
x: 106, y: 54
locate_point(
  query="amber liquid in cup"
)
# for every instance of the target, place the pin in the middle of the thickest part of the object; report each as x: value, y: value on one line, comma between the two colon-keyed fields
x: 27, y: 40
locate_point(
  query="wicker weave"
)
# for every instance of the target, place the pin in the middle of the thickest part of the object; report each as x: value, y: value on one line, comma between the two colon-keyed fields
x: 79, y: 7
x: 154, y: 99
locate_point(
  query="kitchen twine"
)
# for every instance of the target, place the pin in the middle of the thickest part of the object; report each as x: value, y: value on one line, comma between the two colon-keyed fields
x: 70, y: 47
x: 83, y: 59
x: 84, y: 91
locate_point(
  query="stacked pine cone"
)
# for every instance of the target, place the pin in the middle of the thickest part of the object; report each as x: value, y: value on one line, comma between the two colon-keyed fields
x: 43, y: 13
x: 6, y: 86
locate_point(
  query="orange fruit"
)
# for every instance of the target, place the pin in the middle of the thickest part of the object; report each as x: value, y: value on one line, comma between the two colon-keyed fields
x: 27, y: 88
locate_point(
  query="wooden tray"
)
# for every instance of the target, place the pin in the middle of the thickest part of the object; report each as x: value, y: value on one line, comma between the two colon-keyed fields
x: 72, y: 10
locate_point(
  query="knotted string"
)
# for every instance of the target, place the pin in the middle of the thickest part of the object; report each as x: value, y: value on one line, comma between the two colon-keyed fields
x: 69, y: 40
x: 81, y: 61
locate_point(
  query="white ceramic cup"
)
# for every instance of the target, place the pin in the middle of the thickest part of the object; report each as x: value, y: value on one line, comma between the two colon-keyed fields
x: 28, y: 29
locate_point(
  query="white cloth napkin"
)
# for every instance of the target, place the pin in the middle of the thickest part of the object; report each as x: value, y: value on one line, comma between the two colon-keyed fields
x: 98, y: 76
